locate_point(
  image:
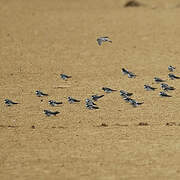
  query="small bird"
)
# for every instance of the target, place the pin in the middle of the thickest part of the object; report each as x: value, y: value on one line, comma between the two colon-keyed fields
x: 156, y: 79
x: 40, y: 94
x: 64, y: 76
x: 131, y: 75
x: 125, y: 71
x: 163, y: 94
x: 54, y: 103
x: 171, y: 68
x: 166, y: 87
x: 125, y: 93
x: 135, y: 103
x: 100, y: 40
x: 96, y: 97
x: 9, y: 102
x: 172, y: 76
x: 50, y: 113
x: 91, y: 107
x: 89, y: 102
x: 149, y: 88
x: 108, y: 90
x: 72, y: 100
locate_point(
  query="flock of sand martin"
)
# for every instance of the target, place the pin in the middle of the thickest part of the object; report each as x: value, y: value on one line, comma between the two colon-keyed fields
x: 90, y: 102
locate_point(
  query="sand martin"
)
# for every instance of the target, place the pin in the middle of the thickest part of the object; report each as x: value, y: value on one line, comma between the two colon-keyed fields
x: 89, y: 102
x: 9, y: 102
x: 108, y: 90
x: 171, y: 68
x: 96, y: 97
x: 172, y: 76
x: 156, y: 79
x: 135, y: 103
x: 125, y: 93
x: 54, y: 103
x: 50, y: 113
x: 163, y: 94
x: 100, y: 40
x: 64, y: 76
x: 166, y: 87
x: 72, y: 100
x: 40, y: 94
x: 149, y: 88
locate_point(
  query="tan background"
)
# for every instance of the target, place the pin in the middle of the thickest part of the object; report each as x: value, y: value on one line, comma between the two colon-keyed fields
x: 39, y: 39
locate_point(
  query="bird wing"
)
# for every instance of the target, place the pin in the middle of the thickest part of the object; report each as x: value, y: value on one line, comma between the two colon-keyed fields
x: 99, y: 41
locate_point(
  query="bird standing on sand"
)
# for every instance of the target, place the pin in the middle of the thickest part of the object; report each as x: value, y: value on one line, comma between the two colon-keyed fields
x: 172, y: 76
x: 64, y: 76
x: 54, y: 103
x: 40, y: 94
x: 50, y: 113
x: 163, y: 94
x: 134, y: 103
x: 9, y: 102
x: 96, y: 97
x: 100, y: 40
x: 156, y: 79
x: 171, y: 68
x: 108, y: 90
x: 125, y: 93
x: 166, y: 87
x: 90, y: 104
x: 149, y: 88
x: 72, y: 100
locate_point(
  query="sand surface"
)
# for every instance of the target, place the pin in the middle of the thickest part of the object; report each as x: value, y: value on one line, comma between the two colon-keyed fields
x: 39, y: 39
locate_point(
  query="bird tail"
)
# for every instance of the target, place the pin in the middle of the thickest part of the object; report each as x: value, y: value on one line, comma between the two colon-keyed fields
x: 56, y: 112
x: 58, y: 102
x: 95, y: 107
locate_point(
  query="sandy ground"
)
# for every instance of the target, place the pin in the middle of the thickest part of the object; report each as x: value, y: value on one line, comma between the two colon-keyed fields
x: 39, y: 39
